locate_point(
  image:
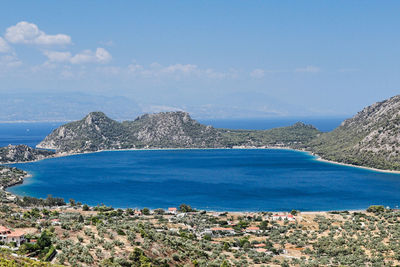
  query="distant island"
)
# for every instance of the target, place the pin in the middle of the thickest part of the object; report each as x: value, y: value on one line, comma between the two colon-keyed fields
x: 98, y: 132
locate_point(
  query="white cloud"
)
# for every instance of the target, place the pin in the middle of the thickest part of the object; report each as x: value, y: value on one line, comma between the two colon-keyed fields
x: 4, y: 47
x: 180, y: 68
x: 28, y: 33
x: 100, y: 56
x: 10, y: 61
x: 87, y: 56
x: 309, y: 69
x: 55, y: 56
x: 257, y: 73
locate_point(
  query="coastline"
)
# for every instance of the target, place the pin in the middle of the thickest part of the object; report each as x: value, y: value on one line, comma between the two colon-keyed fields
x: 318, y: 158
x: 314, y: 157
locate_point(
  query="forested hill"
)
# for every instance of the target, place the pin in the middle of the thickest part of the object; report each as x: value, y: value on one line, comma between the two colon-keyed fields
x: 165, y: 130
x: 371, y: 138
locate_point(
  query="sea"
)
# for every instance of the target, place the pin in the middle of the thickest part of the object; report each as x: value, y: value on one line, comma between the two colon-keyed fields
x: 211, y: 179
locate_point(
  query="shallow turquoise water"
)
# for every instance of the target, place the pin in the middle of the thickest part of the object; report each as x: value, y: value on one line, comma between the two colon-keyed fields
x: 210, y: 179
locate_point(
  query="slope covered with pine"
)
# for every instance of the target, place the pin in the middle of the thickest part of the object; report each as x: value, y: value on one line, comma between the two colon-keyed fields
x: 371, y: 138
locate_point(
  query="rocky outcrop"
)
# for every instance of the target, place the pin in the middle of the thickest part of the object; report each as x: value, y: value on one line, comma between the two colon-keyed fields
x: 164, y: 130
x: 22, y: 153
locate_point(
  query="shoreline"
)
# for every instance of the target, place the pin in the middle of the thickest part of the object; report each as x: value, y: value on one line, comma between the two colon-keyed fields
x: 318, y: 158
x: 314, y: 157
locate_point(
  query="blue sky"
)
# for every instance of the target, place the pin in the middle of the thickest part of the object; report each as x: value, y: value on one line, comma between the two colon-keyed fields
x: 227, y: 58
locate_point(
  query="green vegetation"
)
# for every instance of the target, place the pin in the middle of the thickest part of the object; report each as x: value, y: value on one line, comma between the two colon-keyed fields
x: 50, y: 201
x: 166, y: 130
x: 371, y: 138
x: 294, y: 136
x: 116, y: 237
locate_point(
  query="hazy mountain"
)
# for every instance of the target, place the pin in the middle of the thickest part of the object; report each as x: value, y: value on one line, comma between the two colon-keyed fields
x: 62, y: 107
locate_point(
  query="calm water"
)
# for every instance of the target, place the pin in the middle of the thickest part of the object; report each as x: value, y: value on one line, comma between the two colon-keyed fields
x: 210, y: 179
x: 25, y: 133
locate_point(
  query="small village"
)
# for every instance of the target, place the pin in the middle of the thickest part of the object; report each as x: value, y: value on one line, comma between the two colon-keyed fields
x: 79, y: 235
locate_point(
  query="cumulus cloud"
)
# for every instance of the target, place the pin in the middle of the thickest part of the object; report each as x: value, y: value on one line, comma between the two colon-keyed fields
x: 28, y: 33
x: 309, y: 69
x: 55, y: 56
x: 257, y: 73
x: 100, y: 56
x: 87, y: 56
x: 4, y: 47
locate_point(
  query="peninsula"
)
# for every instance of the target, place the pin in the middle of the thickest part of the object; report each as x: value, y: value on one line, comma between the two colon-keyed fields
x: 370, y: 139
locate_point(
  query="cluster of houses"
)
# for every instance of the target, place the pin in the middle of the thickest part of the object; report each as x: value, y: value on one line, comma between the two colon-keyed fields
x: 7, y: 236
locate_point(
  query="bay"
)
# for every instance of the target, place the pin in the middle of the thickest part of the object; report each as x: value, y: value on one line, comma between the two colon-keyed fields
x: 212, y: 179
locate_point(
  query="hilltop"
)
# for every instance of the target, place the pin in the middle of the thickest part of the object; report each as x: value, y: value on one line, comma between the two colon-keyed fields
x: 371, y: 138
x: 165, y: 130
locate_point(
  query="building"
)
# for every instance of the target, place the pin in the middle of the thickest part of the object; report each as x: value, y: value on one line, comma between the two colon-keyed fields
x: 16, y: 236
x: 172, y: 210
x: 282, y: 217
x: 253, y: 229
x: 7, y: 236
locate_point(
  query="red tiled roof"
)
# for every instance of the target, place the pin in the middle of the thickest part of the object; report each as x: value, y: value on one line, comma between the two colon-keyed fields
x: 172, y: 209
x: 4, y: 229
x: 259, y: 245
x: 16, y: 233
x: 253, y: 228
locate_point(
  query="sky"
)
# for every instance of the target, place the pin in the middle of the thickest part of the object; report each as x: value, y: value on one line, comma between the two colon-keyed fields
x: 214, y: 59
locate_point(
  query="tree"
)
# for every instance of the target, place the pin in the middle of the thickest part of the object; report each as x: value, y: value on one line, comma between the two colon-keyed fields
x: 44, y: 240
x: 72, y: 202
x: 85, y: 207
x: 376, y: 208
x: 185, y: 208
x: 146, y: 211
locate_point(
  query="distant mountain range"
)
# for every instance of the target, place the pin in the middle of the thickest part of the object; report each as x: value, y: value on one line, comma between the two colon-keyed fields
x: 69, y: 106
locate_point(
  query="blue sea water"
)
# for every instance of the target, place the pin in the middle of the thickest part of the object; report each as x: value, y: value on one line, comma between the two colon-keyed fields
x: 226, y: 179
x: 27, y: 133
x: 206, y: 179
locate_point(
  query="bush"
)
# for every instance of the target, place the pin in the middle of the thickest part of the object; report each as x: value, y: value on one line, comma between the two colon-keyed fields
x: 376, y: 209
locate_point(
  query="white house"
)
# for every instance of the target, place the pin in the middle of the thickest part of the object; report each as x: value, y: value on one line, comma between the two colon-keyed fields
x: 172, y: 210
x: 252, y: 229
x: 282, y: 217
x: 7, y: 236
